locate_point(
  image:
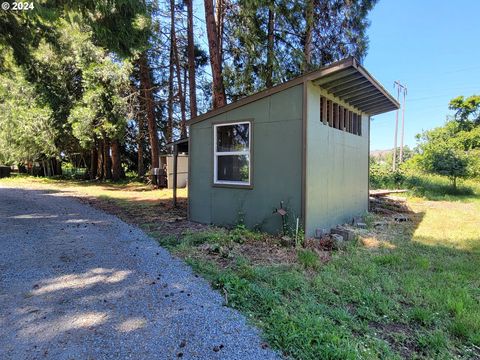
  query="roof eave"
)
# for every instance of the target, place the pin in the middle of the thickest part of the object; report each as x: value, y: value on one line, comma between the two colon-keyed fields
x: 336, y: 67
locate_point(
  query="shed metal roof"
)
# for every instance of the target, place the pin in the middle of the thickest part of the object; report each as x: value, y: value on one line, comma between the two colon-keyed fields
x: 352, y: 83
x: 345, y: 79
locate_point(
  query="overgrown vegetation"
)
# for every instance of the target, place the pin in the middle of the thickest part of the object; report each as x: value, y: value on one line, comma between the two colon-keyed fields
x: 443, y: 155
x: 421, y: 184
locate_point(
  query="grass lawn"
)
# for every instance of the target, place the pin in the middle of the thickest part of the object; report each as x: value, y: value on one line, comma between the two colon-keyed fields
x: 409, y: 290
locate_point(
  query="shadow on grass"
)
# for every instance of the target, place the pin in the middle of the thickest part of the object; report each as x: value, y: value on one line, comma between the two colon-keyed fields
x: 430, y: 187
x: 105, y: 183
x: 435, y: 189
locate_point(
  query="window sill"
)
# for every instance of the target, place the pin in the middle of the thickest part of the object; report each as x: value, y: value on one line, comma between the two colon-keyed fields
x: 233, y: 186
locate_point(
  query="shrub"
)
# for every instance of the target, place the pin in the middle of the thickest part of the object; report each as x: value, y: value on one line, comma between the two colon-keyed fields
x: 381, y: 177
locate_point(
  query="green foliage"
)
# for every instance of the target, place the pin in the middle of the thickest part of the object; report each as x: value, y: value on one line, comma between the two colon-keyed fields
x: 447, y: 161
x: 70, y: 59
x: 102, y: 111
x: 78, y: 93
x: 238, y: 234
x: 445, y: 151
x: 421, y: 184
x: 382, y: 176
x: 308, y: 259
x: 241, y: 233
x: 338, y: 30
x: 452, y: 151
x: 120, y: 26
x: 467, y: 111
x: 208, y: 236
x: 27, y: 127
x: 70, y: 171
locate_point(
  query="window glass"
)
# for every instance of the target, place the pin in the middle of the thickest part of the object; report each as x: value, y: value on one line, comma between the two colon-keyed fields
x: 233, y: 137
x: 232, y: 154
x: 233, y: 168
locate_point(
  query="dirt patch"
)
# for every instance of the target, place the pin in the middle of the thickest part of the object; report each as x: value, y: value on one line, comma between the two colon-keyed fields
x: 266, y: 251
x: 400, y: 337
x: 325, y: 244
x: 161, y: 217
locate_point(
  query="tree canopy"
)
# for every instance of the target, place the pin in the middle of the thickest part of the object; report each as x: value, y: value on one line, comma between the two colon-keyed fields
x: 112, y: 82
x: 453, y: 150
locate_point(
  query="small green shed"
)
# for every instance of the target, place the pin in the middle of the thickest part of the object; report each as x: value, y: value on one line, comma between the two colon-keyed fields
x: 304, y: 143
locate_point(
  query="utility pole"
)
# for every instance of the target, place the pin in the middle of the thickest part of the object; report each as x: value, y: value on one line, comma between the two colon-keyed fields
x: 402, y: 88
x: 394, y: 165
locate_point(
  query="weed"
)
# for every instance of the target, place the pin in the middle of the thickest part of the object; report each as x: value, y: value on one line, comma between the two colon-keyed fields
x: 467, y: 327
x: 422, y: 316
x: 202, y: 237
x: 240, y: 234
x: 389, y: 259
x: 369, y: 219
x: 308, y: 259
x: 434, y: 343
x: 168, y: 241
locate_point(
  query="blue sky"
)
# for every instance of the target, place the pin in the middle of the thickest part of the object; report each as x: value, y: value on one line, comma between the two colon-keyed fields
x: 432, y: 47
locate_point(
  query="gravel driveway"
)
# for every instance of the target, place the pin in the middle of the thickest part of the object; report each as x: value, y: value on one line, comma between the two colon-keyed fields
x: 76, y: 283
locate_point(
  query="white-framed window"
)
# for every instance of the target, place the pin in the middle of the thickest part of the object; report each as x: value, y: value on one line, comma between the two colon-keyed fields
x: 232, y: 153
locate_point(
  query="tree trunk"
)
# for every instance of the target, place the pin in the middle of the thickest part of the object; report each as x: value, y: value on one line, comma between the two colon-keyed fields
x: 107, y: 163
x: 191, y: 61
x: 140, y: 139
x: 219, y: 18
x: 117, y: 171
x: 270, y: 45
x: 181, y: 98
x: 307, y: 41
x: 146, y: 90
x: 58, y: 162
x: 215, y: 56
x: 56, y: 166
x: 171, y: 69
x: 93, y: 161
x: 100, y: 173
x: 185, y: 81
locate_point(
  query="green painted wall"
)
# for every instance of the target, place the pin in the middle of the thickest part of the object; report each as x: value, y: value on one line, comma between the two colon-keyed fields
x: 336, y: 169
x: 277, y: 164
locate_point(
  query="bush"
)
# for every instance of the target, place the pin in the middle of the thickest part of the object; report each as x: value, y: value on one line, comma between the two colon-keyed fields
x: 382, y: 177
